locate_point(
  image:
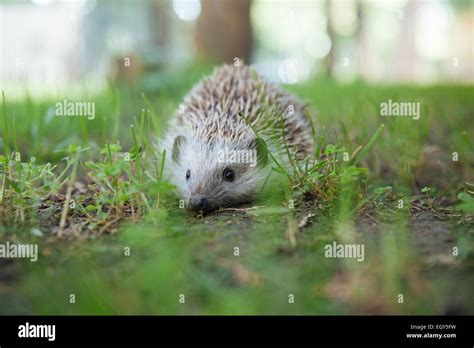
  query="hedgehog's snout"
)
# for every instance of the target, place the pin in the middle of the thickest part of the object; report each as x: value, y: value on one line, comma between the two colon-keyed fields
x: 199, y: 202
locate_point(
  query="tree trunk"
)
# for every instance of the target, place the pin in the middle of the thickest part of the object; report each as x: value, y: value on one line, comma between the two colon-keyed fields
x: 223, y: 31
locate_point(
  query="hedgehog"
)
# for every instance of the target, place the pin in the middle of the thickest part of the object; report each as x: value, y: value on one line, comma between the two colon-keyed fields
x: 218, y: 142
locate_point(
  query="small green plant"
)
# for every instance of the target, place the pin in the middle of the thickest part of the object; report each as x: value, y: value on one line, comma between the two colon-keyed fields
x: 324, y: 175
x: 115, y: 184
x: 467, y: 202
x: 429, y: 199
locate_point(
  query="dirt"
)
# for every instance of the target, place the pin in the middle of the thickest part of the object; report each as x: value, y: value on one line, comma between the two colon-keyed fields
x: 430, y: 234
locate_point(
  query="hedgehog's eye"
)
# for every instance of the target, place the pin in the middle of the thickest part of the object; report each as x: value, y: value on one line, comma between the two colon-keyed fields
x: 188, y: 174
x: 228, y: 175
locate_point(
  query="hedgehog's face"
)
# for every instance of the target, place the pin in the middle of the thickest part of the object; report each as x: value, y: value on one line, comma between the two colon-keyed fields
x: 215, y: 175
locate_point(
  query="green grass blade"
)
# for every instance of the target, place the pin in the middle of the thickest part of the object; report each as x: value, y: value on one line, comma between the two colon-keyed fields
x: 367, y: 147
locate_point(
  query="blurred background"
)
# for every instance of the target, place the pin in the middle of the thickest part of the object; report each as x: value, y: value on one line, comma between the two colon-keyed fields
x: 50, y: 45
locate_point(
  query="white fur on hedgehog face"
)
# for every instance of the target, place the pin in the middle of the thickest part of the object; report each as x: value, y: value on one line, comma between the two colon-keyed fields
x: 205, y: 170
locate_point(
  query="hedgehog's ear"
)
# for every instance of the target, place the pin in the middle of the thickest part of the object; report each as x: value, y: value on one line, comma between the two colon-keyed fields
x: 178, y: 142
x: 262, y: 152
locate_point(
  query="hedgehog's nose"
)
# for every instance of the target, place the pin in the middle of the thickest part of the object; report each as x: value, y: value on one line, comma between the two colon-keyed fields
x: 199, y: 202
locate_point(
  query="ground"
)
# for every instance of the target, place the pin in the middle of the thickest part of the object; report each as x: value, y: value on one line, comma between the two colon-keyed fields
x: 124, y: 246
